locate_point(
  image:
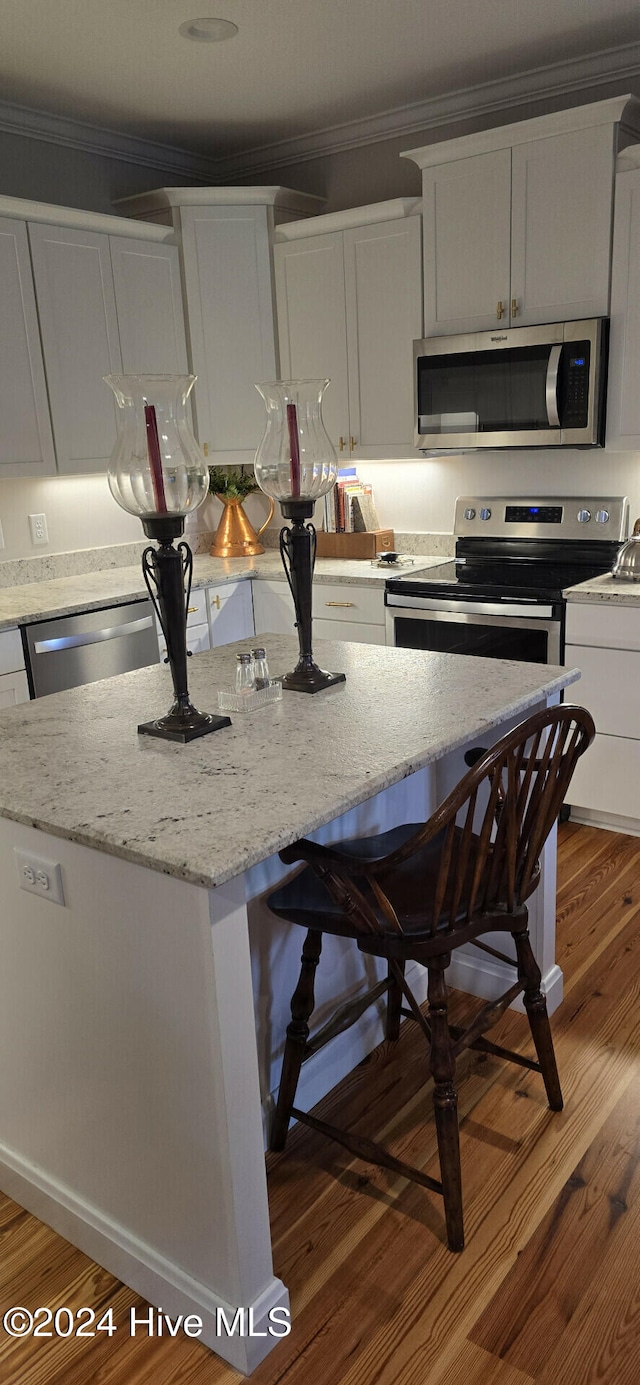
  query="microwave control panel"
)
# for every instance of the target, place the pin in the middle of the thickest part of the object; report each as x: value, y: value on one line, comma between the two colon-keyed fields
x: 575, y: 384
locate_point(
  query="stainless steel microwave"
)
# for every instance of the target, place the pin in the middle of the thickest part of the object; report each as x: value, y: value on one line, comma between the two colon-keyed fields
x: 514, y: 387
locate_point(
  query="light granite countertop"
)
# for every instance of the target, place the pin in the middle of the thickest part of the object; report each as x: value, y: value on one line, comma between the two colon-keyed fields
x: 72, y: 764
x: 606, y: 588
x: 61, y: 596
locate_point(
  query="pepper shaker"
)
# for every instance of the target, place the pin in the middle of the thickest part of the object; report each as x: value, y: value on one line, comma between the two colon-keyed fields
x: 260, y: 668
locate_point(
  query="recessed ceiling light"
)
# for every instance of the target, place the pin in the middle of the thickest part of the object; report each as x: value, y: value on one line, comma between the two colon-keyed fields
x: 208, y: 30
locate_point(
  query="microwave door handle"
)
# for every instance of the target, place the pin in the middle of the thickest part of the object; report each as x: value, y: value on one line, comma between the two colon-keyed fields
x: 552, y: 386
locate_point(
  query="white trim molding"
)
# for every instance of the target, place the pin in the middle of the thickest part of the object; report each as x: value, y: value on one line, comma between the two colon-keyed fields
x: 550, y: 83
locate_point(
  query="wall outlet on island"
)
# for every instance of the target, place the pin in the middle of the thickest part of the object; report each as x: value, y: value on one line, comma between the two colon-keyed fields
x: 40, y: 876
x: 38, y: 527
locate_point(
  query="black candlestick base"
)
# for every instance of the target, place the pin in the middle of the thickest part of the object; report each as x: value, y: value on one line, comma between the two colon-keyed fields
x: 167, y: 572
x: 176, y: 727
x: 310, y: 679
x: 298, y: 552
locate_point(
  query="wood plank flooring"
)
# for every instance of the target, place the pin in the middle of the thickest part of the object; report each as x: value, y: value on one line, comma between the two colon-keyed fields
x: 548, y: 1287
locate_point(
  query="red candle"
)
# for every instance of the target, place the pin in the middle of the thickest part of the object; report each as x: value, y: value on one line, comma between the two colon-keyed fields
x: 155, y: 460
x: 294, y: 447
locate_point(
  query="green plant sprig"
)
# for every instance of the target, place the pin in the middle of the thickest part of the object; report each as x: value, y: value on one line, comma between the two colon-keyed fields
x: 234, y: 484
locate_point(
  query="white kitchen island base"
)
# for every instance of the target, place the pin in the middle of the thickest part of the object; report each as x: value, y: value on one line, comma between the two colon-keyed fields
x: 142, y: 1021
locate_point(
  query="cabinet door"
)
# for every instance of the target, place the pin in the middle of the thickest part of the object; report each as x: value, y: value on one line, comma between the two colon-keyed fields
x: 146, y: 279
x: 467, y: 235
x: 623, y: 395
x: 561, y: 226
x: 26, y: 440
x: 79, y: 325
x: 227, y: 267
x: 273, y: 608
x: 14, y: 688
x: 383, y: 283
x: 312, y: 324
x: 230, y: 612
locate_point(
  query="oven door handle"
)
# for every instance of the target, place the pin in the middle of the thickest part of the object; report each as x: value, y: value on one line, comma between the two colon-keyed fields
x: 471, y: 608
x: 551, y: 386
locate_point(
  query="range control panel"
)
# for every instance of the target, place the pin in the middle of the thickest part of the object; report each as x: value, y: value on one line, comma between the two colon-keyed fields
x: 589, y: 517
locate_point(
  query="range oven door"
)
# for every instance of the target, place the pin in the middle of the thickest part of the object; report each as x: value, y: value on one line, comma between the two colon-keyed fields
x: 517, y: 387
x: 526, y: 632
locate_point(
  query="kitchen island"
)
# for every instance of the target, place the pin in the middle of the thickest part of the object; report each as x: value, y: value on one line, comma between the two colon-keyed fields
x: 142, y: 1018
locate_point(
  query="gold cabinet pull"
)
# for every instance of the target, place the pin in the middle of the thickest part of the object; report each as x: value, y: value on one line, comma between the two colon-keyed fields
x: 353, y: 443
x: 191, y: 610
x: 215, y: 601
x: 205, y: 448
x: 339, y: 603
x: 499, y: 309
x: 514, y: 307
x: 341, y: 444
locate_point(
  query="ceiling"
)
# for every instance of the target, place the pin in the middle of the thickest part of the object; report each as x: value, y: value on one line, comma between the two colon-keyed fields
x: 296, y: 67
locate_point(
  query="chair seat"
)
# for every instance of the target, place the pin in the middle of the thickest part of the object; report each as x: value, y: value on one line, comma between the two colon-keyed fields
x: 306, y: 900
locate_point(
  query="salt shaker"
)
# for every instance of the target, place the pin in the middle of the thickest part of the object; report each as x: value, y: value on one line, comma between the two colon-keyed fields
x: 260, y: 668
x: 244, y: 673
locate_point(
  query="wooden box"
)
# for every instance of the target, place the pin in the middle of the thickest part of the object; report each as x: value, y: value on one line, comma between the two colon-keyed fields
x: 361, y: 545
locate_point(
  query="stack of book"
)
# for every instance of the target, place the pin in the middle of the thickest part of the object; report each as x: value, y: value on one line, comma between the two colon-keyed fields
x: 349, y: 508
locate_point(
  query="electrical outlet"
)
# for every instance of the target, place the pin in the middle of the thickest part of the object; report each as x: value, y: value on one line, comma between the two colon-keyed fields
x: 38, y: 527
x: 40, y: 877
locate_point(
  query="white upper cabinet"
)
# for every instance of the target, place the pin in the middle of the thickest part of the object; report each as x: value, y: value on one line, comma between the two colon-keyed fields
x: 623, y: 394
x: 312, y: 321
x: 226, y: 237
x: 146, y: 279
x: 517, y: 221
x: 79, y: 326
x: 227, y: 268
x: 349, y: 308
x: 26, y: 442
x: 467, y: 243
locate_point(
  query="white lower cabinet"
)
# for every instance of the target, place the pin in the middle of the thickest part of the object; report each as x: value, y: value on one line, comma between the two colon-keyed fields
x: 603, y: 641
x: 14, y: 687
x: 230, y: 612
x: 340, y: 611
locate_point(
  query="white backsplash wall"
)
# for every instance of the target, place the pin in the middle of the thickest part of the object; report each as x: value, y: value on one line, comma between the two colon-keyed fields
x: 419, y: 496
x: 80, y: 511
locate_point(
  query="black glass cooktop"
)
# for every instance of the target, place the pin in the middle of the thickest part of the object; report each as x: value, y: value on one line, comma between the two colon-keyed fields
x: 499, y: 579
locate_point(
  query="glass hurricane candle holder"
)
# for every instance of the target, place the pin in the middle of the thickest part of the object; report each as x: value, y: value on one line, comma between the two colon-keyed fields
x: 296, y: 464
x: 158, y: 473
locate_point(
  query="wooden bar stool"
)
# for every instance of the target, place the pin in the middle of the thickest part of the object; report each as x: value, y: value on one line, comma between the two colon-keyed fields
x: 416, y: 893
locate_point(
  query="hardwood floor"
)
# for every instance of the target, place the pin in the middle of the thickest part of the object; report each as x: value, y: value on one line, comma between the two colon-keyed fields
x: 548, y: 1287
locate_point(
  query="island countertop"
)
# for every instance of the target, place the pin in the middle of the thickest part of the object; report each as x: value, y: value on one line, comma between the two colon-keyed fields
x: 72, y: 764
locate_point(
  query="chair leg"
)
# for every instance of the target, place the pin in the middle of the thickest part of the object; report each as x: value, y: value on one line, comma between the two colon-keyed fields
x: 394, y: 1005
x: 536, y: 1008
x: 302, y: 1003
x: 445, y: 1104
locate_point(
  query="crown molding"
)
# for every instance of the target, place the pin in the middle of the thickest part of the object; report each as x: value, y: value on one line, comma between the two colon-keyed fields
x: 539, y: 84
x: 111, y: 144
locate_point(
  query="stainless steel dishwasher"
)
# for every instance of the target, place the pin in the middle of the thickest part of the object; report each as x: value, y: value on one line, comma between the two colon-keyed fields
x: 72, y: 650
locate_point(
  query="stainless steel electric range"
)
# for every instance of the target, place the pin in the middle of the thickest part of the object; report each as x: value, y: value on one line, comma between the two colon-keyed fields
x: 501, y: 597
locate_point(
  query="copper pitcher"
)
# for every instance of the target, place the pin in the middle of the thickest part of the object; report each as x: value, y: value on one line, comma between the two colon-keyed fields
x: 235, y: 536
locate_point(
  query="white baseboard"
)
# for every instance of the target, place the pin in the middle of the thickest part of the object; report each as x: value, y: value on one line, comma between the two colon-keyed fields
x: 163, y: 1284
x: 609, y: 822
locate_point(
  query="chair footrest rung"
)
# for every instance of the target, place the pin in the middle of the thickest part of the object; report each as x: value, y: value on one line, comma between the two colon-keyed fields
x: 368, y: 1150
x: 485, y: 1046
x: 345, y: 1017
